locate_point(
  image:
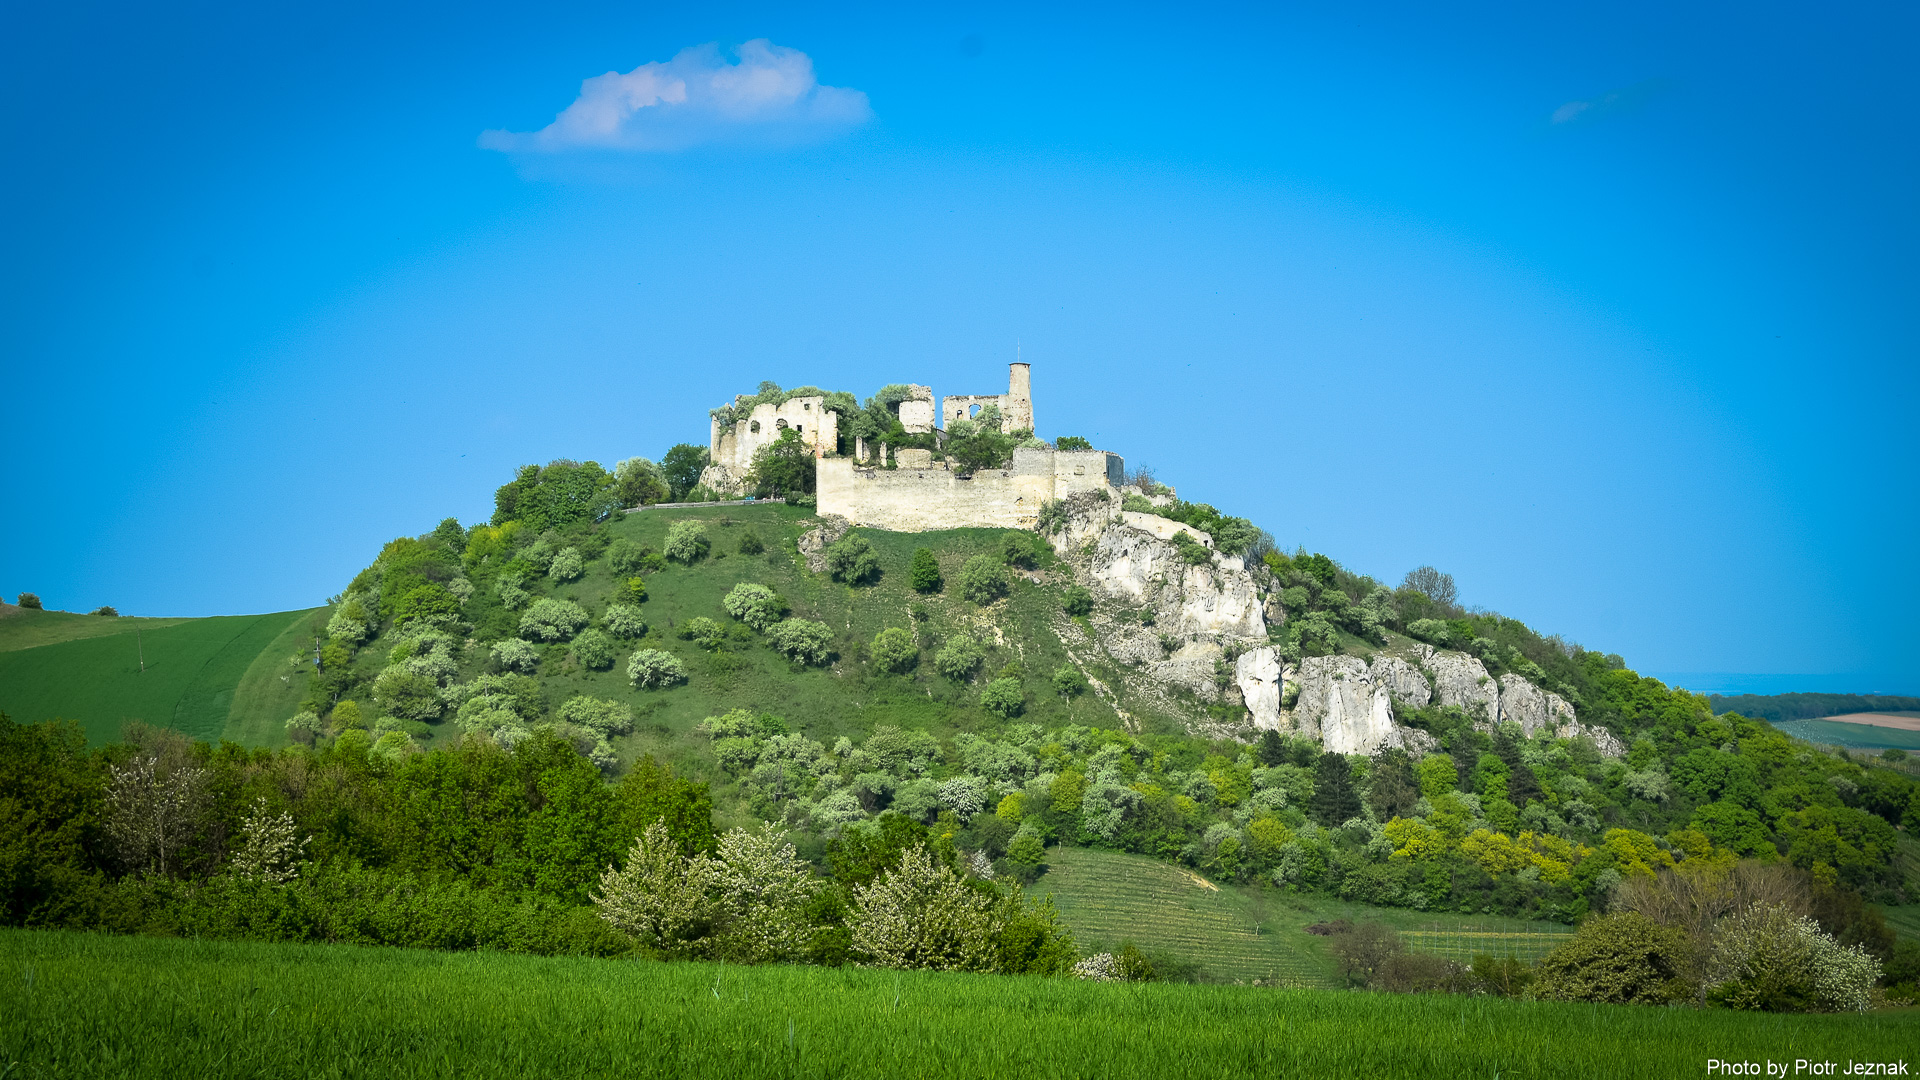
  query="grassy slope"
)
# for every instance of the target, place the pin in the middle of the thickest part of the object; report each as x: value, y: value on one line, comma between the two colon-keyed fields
x: 193, y: 669
x: 82, y: 1006
x: 26, y: 628
x: 1248, y: 935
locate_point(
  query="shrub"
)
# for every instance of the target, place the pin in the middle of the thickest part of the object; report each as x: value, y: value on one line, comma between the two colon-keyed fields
x: 751, y: 544
x: 1771, y: 959
x: 1003, y: 698
x: 552, y: 620
x: 703, y: 632
x: 28, y: 600
x: 515, y: 654
x: 105, y: 609
x: 649, y: 668
x: 755, y: 605
x: 407, y: 694
x: 1068, y: 682
x: 687, y: 541
x: 625, y: 556
x: 1021, y: 549
x: 594, y: 650
x: 567, y: 565
x: 303, y: 727
x: 922, y: 915
x: 959, y: 658
x: 633, y: 590
x: 1071, y: 442
x: 1625, y: 959
x: 1192, y: 552
x: 984, y: 579
x: 598, y: 715
x: 851, y: 559
x: 1431, y: 630
x: 924, y: 575
x: 802, y: 640
x: 623, y: 620
x: 1077, y: 601
x: 895, y: 650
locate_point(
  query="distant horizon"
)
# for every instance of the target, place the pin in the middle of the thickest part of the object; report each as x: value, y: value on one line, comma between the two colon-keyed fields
x: 1732, y: 684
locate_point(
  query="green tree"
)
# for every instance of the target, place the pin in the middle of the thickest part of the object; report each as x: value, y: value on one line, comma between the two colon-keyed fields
x: 1071, y: 442
x: 1003, y: 698
x: 594, y: 650
x: 924, y: 575
x: 450, y: 534
x: 984, y: 579
x: 959, y: 658
x: 894, y: 650
x: 1068, y: 682
x: 783, y: 466
x: 1624, y: 959
x: 803, y: 641
x: 556, y: 495
x: 1334, y: 801
x: 650, y: 668
x: 639, y: 482
x: 687, y: 541
x: 28, y: 600
x: 852, y: 559
x: 1077, y: 600
x: 52, y: 803
x: 753, y: 604
x: 682, y: 468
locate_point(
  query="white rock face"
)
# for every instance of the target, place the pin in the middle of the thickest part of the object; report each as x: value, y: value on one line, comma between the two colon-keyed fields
x: 1462, y: 681
x: 1258, y: 674
x: 1402, y: 680
x: 1210, y: 600
x: 1608, y: 743
x: 1342, y: 704
x: 1523, y: 703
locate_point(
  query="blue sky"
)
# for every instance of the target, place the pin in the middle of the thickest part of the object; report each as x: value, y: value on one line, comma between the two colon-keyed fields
x: 1608, y: 312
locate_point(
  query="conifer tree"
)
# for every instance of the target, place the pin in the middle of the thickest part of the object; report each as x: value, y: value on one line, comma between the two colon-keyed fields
x: 1334, y: 800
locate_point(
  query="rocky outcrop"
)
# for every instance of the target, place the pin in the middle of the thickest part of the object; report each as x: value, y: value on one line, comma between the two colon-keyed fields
x: 724, y: 480
x: 1343, y: 705
x: 1207, y: 600
x: 1402, y: 680
x: 1462, y: 682
x: 1605, y: 741
x: 813, y: 543
x: 1259, y: 676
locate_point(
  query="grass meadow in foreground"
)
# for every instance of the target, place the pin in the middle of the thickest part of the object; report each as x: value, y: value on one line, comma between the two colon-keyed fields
x: 77, y: 1005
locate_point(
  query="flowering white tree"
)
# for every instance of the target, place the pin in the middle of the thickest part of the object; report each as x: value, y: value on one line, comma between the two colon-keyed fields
x: 151, y: 814
x: 269, y: 849
x: 755, y: 605
x: 1767, y: 955
x: 660, y: 896
x: 763, y: 891
x: 515, y: 654
x: 648, y: 668
x: 923, y: 915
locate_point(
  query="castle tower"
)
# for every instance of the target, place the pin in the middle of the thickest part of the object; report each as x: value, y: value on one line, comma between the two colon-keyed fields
x: 1018, y: 413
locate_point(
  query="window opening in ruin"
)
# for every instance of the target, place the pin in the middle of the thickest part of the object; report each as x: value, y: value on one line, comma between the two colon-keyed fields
x: 973, y: 411
x: 781, y: 424
x: 754, y: 426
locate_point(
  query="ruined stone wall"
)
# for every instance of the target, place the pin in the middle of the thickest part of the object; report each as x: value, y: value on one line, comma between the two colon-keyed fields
x: 963, y: 406
x: 916, y: 412
x: 1016, y: 405
x: 932, y: 496
x: 733, y: 450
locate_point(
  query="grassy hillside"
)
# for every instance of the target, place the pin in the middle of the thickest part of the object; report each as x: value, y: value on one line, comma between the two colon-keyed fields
x: 1250, y: 935
x: 83, y: 1005
x: 210, y: 678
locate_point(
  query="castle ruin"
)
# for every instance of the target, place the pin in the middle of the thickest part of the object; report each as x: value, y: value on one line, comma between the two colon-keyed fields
x: 908, y: 490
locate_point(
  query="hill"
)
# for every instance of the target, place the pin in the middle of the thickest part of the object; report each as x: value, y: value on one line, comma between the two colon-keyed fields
x: 1781, y: 707
x: 229, y: 677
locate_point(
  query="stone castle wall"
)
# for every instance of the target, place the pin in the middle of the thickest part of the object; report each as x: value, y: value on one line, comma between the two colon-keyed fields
x: 932, y: 496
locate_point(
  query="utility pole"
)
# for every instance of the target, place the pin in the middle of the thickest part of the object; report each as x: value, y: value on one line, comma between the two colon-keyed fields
x: 142, y: 646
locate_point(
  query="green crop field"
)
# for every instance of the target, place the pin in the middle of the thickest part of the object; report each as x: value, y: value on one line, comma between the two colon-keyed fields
x: 1249, y: 935
x: 1851, y: 736
x: 78, y: 1005
x: 194, y: 671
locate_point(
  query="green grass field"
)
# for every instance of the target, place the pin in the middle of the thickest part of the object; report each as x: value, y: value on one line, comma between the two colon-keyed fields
x: 195, y: 672
x: 1851, y: 736
x: 75, y: 1005
x: 1249, y: 935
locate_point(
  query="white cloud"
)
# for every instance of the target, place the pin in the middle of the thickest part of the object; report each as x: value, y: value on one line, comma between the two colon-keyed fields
x: 768, y: 94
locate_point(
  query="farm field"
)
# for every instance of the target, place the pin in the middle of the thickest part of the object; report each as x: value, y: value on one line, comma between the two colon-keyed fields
x: 78, y: 1005
x: 1850, y: 735
x: 1246, y: 935
x: 194, y: 671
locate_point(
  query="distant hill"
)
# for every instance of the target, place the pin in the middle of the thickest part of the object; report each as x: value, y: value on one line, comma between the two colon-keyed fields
x: 1779, y: 708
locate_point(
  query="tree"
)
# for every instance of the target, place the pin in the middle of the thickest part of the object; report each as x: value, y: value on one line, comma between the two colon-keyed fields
x: 1077, y: 601
x: 552, y: 620
x: 1434, y: 585
x: 984, y: 579
x: 1069, y: 683
x: 687, y: 541
x: 973, y: 446
x: 923, y: 915
x: 567, y: 565
x: 852, y: 559
x: 407, y: 694
x: 924, y: 574
x: 639, y: 482
x: 1003, y: 698
x: 1334, y: 801
x: 750, y: 543
x: 270, y: 847
x: 594, y: 650
x: 1391, y: 787
x: 1071, y: 442
x: 1362, y: 950
x: 28, y: 600
x: 650, y: 668
x: 152, y: 812
x: 755, y: 605
x: 625, y: 621
x: 50, y: 787
x: 1625, y: 959
x: 660, y: 896
x: 803, y: 641
x: 651, y: 792
x: 105, y: 609
x: 894, y: 650
x: 782, y: 466
x: 959, y: 658
x: 1022, y: 549
x: 681, y: 468
x: 555, y: 495
x: 764, y: 891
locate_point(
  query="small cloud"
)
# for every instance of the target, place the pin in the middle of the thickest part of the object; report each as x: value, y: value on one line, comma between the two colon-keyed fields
x: 767, y: 93
x: 1621, y: 100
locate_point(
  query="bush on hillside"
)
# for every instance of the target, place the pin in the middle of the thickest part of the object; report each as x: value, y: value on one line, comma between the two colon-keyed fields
x: 1069, y: 683
x: 567, y: 565
x: 1022, y: 549
x: 687, y: 542
x: 984, y: 579
x: 650, y: 668
x: 894, y: 650
x: 924, y: 574
x: 28, y: 600
x: 594, y: 650
x: 751, y: 544
x: 803, y: 641
x: 1077, y: 601
x: 1624, y: 959
x: 624, y: 621
x: 106, y: 610
x: 516, y: 654
x: 703, y: 632
x: 1003, y: 698
x: 755, y: 605
x: 960, y: 658
x: 552, y: 620
x: 407, y: 694
x: 597, y: 714
x: 852, y: 559
x: 1770, y: 959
